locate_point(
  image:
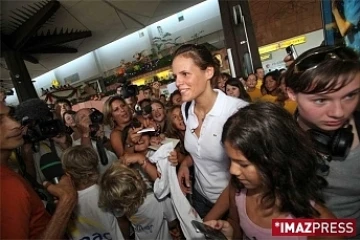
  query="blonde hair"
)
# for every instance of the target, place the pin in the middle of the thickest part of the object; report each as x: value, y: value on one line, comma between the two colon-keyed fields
x: 81, y: 162
x: 107, y: 110
x: 122, y: 188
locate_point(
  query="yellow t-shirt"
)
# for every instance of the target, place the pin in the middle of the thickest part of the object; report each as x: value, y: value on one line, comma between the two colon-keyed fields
x: 268, y: 98
x: 290, y: 106
x: 259, y: 83
x: 255, y: 94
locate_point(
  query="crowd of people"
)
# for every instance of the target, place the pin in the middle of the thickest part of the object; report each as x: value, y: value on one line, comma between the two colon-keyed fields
x: 284, y: 144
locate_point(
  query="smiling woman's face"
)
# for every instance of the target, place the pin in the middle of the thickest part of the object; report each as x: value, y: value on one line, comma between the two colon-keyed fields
x: 190, y: 79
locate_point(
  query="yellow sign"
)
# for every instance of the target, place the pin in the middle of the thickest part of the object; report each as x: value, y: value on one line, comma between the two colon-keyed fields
x: 294, y: 41
x: 269, y: 48
x: 266, y: 56
x: 283, y: 44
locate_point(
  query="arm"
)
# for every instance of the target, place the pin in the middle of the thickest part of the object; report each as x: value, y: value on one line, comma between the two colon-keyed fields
x: 233, y: 218
x: 67, y: 195
x: 325, y: 213
x: 344, y: 25
x: 220, y: 207
x: 146, y: 165
x: 150, y: 169
x: 116, y: 143
x: 124, y: 225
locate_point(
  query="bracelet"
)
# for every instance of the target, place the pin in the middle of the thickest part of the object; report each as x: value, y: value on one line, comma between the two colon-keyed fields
x: 128, y: 145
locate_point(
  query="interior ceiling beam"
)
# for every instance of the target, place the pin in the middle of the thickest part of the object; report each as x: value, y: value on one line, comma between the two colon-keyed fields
x: 30, y: 58
x: 54, y: 49
x: 39, y: 42
x: 29, y: 27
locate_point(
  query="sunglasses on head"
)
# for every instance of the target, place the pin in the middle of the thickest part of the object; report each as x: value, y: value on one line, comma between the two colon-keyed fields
x: 314, y: 59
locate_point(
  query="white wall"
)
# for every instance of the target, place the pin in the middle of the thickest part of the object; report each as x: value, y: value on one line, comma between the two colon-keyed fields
x: 85, y: 66
x: 110, y: 55
x: 313, y: 39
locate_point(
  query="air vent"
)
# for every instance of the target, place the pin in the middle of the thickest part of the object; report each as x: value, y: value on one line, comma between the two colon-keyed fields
x: 180, y: 16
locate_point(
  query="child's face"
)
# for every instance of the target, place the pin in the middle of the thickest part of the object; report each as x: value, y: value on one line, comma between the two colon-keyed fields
x: 158, y: 112
x: 143, y: 143
x: 242, y: 168
x: 232, y: 91
x: 177, y: 119
x: 251, y: 81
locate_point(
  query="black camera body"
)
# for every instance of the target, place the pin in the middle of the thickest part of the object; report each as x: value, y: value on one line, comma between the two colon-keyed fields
x: 96, y: 118
x: 129, y: 90
x: 41, y: 130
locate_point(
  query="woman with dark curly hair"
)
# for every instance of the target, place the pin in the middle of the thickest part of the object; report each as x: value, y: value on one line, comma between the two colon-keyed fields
x: 274, y: 171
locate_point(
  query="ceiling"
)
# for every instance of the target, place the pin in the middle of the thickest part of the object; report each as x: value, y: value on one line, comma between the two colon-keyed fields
x: 107, y: 20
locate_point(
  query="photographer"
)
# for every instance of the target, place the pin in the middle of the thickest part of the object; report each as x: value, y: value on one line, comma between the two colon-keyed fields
x: 42, y: 134
x: 89, y: 123
x: 23, y: 215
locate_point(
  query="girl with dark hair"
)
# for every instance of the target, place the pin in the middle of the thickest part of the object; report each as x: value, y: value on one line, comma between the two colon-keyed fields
x: 252, y: 90
x: 234, y: 88
x: 196, y: 72
x: 68, y: 118
x: 325, y: 83
x: 175, y: 98
x: 271, y: 86
x: 176, y: 129
x: 274, y: 171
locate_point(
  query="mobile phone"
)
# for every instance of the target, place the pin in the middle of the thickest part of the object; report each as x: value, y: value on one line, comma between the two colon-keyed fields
x: 209, y: 232
x: 291, y: 51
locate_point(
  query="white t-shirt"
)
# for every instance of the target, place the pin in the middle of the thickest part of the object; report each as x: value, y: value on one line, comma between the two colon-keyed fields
x: 151, y: 219
x: 210, y: 161
x: 92, y: 222
x: 110, y: 155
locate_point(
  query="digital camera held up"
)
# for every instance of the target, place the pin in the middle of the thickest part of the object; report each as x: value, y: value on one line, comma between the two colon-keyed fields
x: 129, y: 90
x: 96, y: 118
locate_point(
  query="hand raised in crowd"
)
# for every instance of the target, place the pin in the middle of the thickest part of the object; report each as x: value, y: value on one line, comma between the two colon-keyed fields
x: 184, y: 178
x: 223, y: 226
x: 133, y: 136
x: 173, y: 159
x: 288, y: 60
x: 64, y: 191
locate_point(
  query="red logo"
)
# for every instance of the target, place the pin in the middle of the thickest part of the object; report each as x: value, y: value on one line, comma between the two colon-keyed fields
x: 314, y: 227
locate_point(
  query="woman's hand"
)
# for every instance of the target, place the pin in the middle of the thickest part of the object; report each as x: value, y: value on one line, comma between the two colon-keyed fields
x: 184, y: 178
x: 132, y: 158
x: 173, y: 159
x: 223, y: 226
x: 133, y: 136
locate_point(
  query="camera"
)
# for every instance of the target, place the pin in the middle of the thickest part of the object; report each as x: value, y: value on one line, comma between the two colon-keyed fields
x: 96, y: 118
x: 129, y: 90
x: 41, y: 130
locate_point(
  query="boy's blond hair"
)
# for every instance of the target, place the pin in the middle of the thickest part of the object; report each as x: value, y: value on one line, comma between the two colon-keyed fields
x: 122, y: 188
x: 81, y: 162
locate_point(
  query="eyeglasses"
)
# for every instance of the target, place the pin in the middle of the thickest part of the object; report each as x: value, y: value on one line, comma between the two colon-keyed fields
x: 313, y: 60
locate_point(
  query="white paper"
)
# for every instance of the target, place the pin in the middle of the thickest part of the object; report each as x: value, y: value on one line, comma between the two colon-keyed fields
x: 146, y: 130
x: 172, y: 87
x: 174, y: 141
x: 168, y: 183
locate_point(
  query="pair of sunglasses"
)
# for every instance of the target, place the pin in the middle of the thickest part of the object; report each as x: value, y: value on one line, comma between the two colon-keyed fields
x: 312, y: 61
